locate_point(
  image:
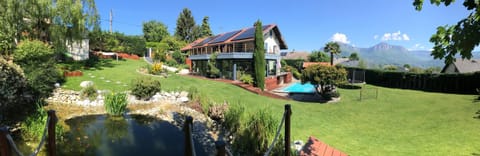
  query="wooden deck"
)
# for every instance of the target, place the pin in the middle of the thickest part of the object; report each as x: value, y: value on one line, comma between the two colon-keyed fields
x: 315, y: 147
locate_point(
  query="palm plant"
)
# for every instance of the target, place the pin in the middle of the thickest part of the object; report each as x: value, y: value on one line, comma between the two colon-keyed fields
x: 332, y: 48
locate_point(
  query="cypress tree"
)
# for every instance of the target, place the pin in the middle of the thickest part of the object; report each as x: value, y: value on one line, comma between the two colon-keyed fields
x: 259, y: 56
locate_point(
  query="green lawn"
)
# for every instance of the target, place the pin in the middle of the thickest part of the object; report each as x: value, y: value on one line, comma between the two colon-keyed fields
x: 399, y: 122
x: 109, y: 75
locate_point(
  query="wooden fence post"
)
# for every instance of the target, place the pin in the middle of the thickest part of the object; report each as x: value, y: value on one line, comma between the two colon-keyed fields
x: 220, y: 145
x: 51, y: 145
x: 288, y: 113
x: 4, y: 146
x: 188, y: 135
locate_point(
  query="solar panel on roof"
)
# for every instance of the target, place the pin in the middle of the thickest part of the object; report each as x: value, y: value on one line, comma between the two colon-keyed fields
x: 205, y: 41
x: 246, y: 34
x: 249, y: 33
x: 224, y: 37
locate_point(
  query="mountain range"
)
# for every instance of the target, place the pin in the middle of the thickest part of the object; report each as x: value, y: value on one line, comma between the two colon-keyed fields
x: 386, y: 54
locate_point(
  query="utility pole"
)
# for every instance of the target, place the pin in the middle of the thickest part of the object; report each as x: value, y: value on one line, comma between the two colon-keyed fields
x: 111, y: 19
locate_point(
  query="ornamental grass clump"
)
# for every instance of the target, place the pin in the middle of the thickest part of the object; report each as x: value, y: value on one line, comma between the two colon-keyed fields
x: 89, y: 92
x: 116, y: 103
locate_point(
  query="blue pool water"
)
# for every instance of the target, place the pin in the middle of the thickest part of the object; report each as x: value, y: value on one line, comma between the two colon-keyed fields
x: 297, y: 87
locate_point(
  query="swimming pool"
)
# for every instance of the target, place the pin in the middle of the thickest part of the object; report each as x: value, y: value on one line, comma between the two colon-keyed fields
x: 298, y: 87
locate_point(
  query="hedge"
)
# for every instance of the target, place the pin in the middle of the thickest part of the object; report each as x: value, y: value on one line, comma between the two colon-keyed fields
x: 447, y: 83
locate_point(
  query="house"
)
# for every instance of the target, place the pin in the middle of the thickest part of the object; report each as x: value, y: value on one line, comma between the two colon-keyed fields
x: 78, y: 50
x: 235, y: 52
x: 294, y: 55
x: 462, y: 66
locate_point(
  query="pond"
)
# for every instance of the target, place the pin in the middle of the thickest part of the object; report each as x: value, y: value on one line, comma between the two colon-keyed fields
x: 121, y: 136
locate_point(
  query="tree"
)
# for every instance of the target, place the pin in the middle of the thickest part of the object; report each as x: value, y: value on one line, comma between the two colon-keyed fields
x: 362, y: 64
x: 259, y: 56
x: 390, y: 67
x: 185, y: 26
x: 333, y: 48
x: 213, y: 71
x: 49, y: 21
x: 318, y: 56
x: 354, y: 57
x: 154, y: 31
x: 456, y: 39
x: 324, y: 78
x: 206, y: 31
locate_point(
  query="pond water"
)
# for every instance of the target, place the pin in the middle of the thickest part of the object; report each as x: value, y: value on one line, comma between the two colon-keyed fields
x: 104, y: 135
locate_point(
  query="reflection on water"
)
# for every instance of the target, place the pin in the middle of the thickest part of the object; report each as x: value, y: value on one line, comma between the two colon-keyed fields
x: 131, y: 135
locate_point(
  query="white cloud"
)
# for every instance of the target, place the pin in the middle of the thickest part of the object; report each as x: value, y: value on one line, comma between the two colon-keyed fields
x: 405, y: 37
x: 375, y: 37
x: 396, y: 36
x: 339, y: 37
x: 418, y: 46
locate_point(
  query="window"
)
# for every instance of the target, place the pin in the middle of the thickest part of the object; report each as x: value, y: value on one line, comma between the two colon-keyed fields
x: 271, y: 33
x: 266, y: 47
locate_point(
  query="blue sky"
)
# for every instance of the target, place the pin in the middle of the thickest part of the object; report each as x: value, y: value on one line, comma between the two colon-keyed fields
x: 305, y: 24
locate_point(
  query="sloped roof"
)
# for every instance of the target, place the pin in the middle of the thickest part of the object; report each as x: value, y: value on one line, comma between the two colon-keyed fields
x: 467, y: 66
x: 296, y: 55
x: 245, y: 34
x: 307, y: 64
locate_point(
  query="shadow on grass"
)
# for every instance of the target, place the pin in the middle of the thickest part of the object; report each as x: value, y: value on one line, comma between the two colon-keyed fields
x: 475, y: 154
x: 105, y: 63
x: 307, y: 97
x: 477, y: 115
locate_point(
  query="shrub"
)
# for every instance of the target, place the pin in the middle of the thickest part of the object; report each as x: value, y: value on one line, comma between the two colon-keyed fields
x: 171, y: 62
x: 89, y: 92
x: 178, y: 56
x: 246, y: 78
x: 144, y: 88
x: 295, y: 73
x: 217, y: 111
x: 156, y: 68
x: 330, y: 94
x: 35, y: 57
x: 349, y: 86
x: 257, y: 135
x: 42, y: 77
x: 29, y: 52
x: 13, y: 90
x: 116, y: 103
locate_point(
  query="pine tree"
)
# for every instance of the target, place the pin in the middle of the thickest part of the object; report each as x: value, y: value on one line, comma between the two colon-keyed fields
x: 259, y: 56
x: 206, y: 31
x: 185, y: 26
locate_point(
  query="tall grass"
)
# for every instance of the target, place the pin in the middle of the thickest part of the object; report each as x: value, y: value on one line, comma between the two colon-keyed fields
x: 257, y: 134
x: 116, y: 103
x: 34, y: 125
x: 233, y: 117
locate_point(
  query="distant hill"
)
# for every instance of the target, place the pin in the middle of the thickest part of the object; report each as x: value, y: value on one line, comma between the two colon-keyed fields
x: 384, y: 53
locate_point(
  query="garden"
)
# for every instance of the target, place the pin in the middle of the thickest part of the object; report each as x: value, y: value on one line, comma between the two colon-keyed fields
x: 399, y: 122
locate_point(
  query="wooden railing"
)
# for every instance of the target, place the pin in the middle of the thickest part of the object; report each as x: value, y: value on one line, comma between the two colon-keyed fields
x: 7, y: 145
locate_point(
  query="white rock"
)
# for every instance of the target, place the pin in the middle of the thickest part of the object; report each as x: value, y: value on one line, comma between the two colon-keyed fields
x: 183, y: 94
x: 183, y: 99
x: 85, y: 84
